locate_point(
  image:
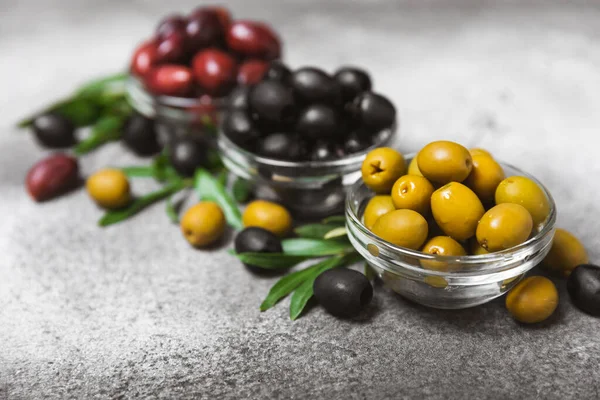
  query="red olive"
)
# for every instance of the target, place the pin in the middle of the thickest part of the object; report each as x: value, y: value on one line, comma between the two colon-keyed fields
x: 52, y: 177
x: 253, y: 39
x: 222, y: 14
x: 144, y: 58
x: 215, y: 71
x: 251, y: 72
x: 169, y: 24
x: 170, y: 80
x: 203, y: 30
x: 171, y: 49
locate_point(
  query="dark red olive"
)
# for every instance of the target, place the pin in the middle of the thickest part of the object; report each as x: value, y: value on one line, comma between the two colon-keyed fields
x: 353, y: 82
x: 313, y: 85
x: 251, y: 72
x: 215, y: 71
x: 187, y: 155
x: 171, y: 49
x: 170, y: 24
x: 257, y: 240
x: 144, y: 58
x: 222, y: 13
x: 54, y: 131
x: 343, y: 292
x: 203, y: 30
x: 253, y: 39
x: 373, y: 111
x: 238, y: 127
x: 169, y: 80
x: 52, y: 177
x: 272, y: 102
x: 140, y: 136
x: 281, y: 146
x: 583, y: 286
x: 318, y: 121
x: 278, y: 72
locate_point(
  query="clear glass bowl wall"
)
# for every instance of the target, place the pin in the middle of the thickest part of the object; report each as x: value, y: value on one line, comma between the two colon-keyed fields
x: 464, y: 281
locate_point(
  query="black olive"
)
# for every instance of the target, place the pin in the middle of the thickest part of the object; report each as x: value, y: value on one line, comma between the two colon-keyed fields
x: 373, y: 111
x: 355, y: 143
x: 282, y: 146
x: 583, y: 286
x: 318, y: 122
x: 187, y: 155
x: 322, y: 151
x: 140, y: 136
x: 238, y: 98
x: 272, y: 102
x: 257, y: 240
x: 239, y: 128
x: 54, y: 131
x: 278, y: 72
x: 353, y: 82
x: 313, y: 85
x: 343, y: 292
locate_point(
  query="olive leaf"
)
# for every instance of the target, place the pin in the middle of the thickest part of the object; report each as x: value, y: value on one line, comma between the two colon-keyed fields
x: 115, y: 216
x: 315, y: 247
x: 315, y: 231
x: 171, y: 211
x: 138, y: 172
x: 271, y: 260
x: 101, y: 85
x: 222, y: 177
x: 107, y: 129
x: 213, y: 160
x: 242, y: 189
x: 370, y: 272
x: 336, y: 233
x: 335, y: 219
x: 162, y: 168
x: 209, y: 188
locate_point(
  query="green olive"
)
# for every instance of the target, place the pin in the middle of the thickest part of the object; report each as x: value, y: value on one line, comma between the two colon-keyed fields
x: 524, y: 191
x: 532, y: 300
x: 268, y: 215
x: 405, y: 228
x: 504, y: 226
x: 203, y: 223
x: 413, y: 167
x: 443, y: 246
x: 566, y: 253
x: 456, y: 210
x: 480, y: 152
x: 109, y: 188
x: 381, y: 168
x: 475, y: 248
x: 413, y: 192
x: 485, y: 177
x: 377, y: 206
x: 443, y: 162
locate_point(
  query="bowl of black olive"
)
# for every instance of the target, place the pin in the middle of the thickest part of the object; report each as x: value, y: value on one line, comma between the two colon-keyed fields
x: 300, y: 135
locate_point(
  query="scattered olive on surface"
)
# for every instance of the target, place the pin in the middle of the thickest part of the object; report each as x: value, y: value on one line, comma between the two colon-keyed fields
x: 376, y: 207
x: 443, y: 162
x: 268, y: 215
x: 532, y: 300
x: 504, y: 226
x: 54, y: 131
x: 187, y: 155
x: 566, y: 253
x: 52, y: 176
x: 139, y: 135
x: 343, y: 292
x: 381, y: 169
x: 257, y: 240
x: 109, y: 188
x: 485, y: 177
x: 414, y: 193
x: 353, y: 82
x: 405, y: 228
x: 523, y: 191
x: 442, y: 246
x: 203, y: 224
x: 583, y: 286
x: 457, y: 210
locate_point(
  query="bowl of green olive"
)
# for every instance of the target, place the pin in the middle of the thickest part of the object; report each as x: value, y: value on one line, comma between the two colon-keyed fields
x: 449, y: 227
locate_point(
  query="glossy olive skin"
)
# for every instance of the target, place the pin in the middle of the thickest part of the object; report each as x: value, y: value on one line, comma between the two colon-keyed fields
x: 139, y: 135
x: 566, y: 253
x: 169, y: 24
x: 376, y: 207
x: 381, y: 169
x: 171, y: 48
x: 313, y: 85
x: 268, y: 215
x: 203, y: 29
x: 278, y: 71
x: 52, y: 176
x: 169, y: 80
x: 238, y: 98
x: 353, y: 82
x: 187, y: 155
x: 54, y: 131
x: 480, y: 152
x: 442, y: 246
x: 215, y: 71
x: 485, y: 177
x: 257, y: 240
x: 281, y: 146
x: 318, y: 121
x: 475, y: 248
x: 524, y: 191
x: 203, y: 224
x: 413, y: 167
x: 583, y: 286
x: 253, y: 39
x: 444, y: 161
x: 457, y: 210
x: 251, y: 72
x: 532, y: 300
x: 373, y: 111
x: 238, y: 127
x: 343, y: 292
x: 355, y: 143
x: 109, y: 188
x: 273, y: 102
x: 404, y: 228
x: 322, y: 151
x: 144, y: 59
x: 503, y: 227
x: 413, y: 192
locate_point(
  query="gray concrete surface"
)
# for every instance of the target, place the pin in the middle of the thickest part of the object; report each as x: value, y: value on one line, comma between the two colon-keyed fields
x: 132, y: 311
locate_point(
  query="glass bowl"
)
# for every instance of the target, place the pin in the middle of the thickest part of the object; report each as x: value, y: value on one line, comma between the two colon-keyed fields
x: 309, y: 189
x: 464, y: 281
x: 177, y: 117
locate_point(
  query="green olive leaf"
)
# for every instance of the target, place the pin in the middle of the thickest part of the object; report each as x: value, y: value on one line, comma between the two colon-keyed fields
x: 102, y: 85
x: 315, y: 231
x: 336, y: 233
x: 138, y: 171
x: 222, y: 177
x: 107, y: 129
x: 213, y: 160
x: 335, y: 219
x: 242, y: 190
x: 315, y: 247
x: 171, y: 211
x: 116, y: 216
x: 370, y: 272
x: 209, y: 188
x: 271, y: 260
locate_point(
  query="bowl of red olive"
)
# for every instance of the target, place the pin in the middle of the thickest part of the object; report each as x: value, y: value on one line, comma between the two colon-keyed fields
x: 182, y: 74
x: 300, y: 135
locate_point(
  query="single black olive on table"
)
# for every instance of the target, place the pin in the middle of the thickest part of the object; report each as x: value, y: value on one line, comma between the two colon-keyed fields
x: 272, y: 102
x: 187, y: 155
x: 140, y: 136
x: 343, y: 292
x: 583, y: 286
x: 313, y: 85
x: 54, y: 131
x: 238, y: 98
x: 278, y: 72
x: 282, y: 146
x: 322, y: 151
x: 238, y: 127
x: 373, y: 111
x: 257, y: 240
x: 318, y: 122
x: 353, y: 82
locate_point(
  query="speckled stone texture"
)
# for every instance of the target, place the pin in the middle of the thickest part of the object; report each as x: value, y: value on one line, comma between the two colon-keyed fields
x: 132, y: 311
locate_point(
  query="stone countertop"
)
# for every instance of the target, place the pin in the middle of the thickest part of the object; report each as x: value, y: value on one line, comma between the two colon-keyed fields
x: 133, y: 311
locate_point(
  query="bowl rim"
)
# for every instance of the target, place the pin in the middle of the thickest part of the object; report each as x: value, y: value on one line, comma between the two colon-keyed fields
x: 495, y: 257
